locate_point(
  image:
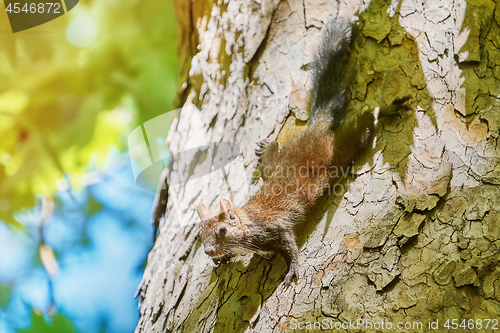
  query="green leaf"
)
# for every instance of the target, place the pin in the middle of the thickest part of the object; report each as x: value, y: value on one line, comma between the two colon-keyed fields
x: 5, y: 291
x: 57, y: 324
x: 93, y: 206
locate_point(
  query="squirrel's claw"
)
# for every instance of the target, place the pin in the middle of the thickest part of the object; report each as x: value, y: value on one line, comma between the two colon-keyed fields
x: 262, y: 146
x: 293, y: 274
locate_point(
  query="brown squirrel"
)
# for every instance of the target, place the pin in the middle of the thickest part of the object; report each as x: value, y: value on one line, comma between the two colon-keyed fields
x: 303, y: 170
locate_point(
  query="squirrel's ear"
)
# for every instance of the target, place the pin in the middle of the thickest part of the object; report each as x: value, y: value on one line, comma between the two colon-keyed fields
x: 226, y: 206
x: 203, y: 211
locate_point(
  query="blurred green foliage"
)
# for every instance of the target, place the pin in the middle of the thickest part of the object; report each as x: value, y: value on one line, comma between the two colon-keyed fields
x: 63, y: 107
x: 57, y: 324
x: 5, y: 291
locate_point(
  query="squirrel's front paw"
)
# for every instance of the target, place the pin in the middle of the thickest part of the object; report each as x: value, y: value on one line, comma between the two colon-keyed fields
x: 262, y: 147
x: 293, y: 274
x: 223, y: 260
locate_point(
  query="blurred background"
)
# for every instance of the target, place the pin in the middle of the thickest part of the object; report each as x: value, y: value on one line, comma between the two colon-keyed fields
x: 75, y: 229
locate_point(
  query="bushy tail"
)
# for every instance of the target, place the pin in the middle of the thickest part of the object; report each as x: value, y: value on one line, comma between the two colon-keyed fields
x: 328, y: 101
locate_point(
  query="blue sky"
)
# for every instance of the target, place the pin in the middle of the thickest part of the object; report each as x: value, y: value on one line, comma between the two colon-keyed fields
x: 100, y: 256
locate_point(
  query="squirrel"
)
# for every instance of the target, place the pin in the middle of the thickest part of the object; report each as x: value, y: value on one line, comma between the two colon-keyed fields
x: 302, y: 171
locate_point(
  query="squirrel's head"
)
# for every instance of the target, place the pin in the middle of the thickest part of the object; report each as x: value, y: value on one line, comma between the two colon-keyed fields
x: 220, y: 231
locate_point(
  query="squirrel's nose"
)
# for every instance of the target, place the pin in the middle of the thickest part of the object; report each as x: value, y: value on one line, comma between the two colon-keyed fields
x: 209, y: 252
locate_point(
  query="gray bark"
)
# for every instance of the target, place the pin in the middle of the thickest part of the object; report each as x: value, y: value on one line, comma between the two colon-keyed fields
x: 414, y: 235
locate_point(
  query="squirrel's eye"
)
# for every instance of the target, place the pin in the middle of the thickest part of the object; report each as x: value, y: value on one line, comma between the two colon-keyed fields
x: 222, y: 230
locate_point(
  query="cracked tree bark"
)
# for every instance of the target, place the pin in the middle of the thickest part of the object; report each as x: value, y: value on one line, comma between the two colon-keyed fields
x: 414, y: 236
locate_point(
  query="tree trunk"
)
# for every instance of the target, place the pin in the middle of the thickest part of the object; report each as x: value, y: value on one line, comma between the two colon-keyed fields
x: 413, y: 238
